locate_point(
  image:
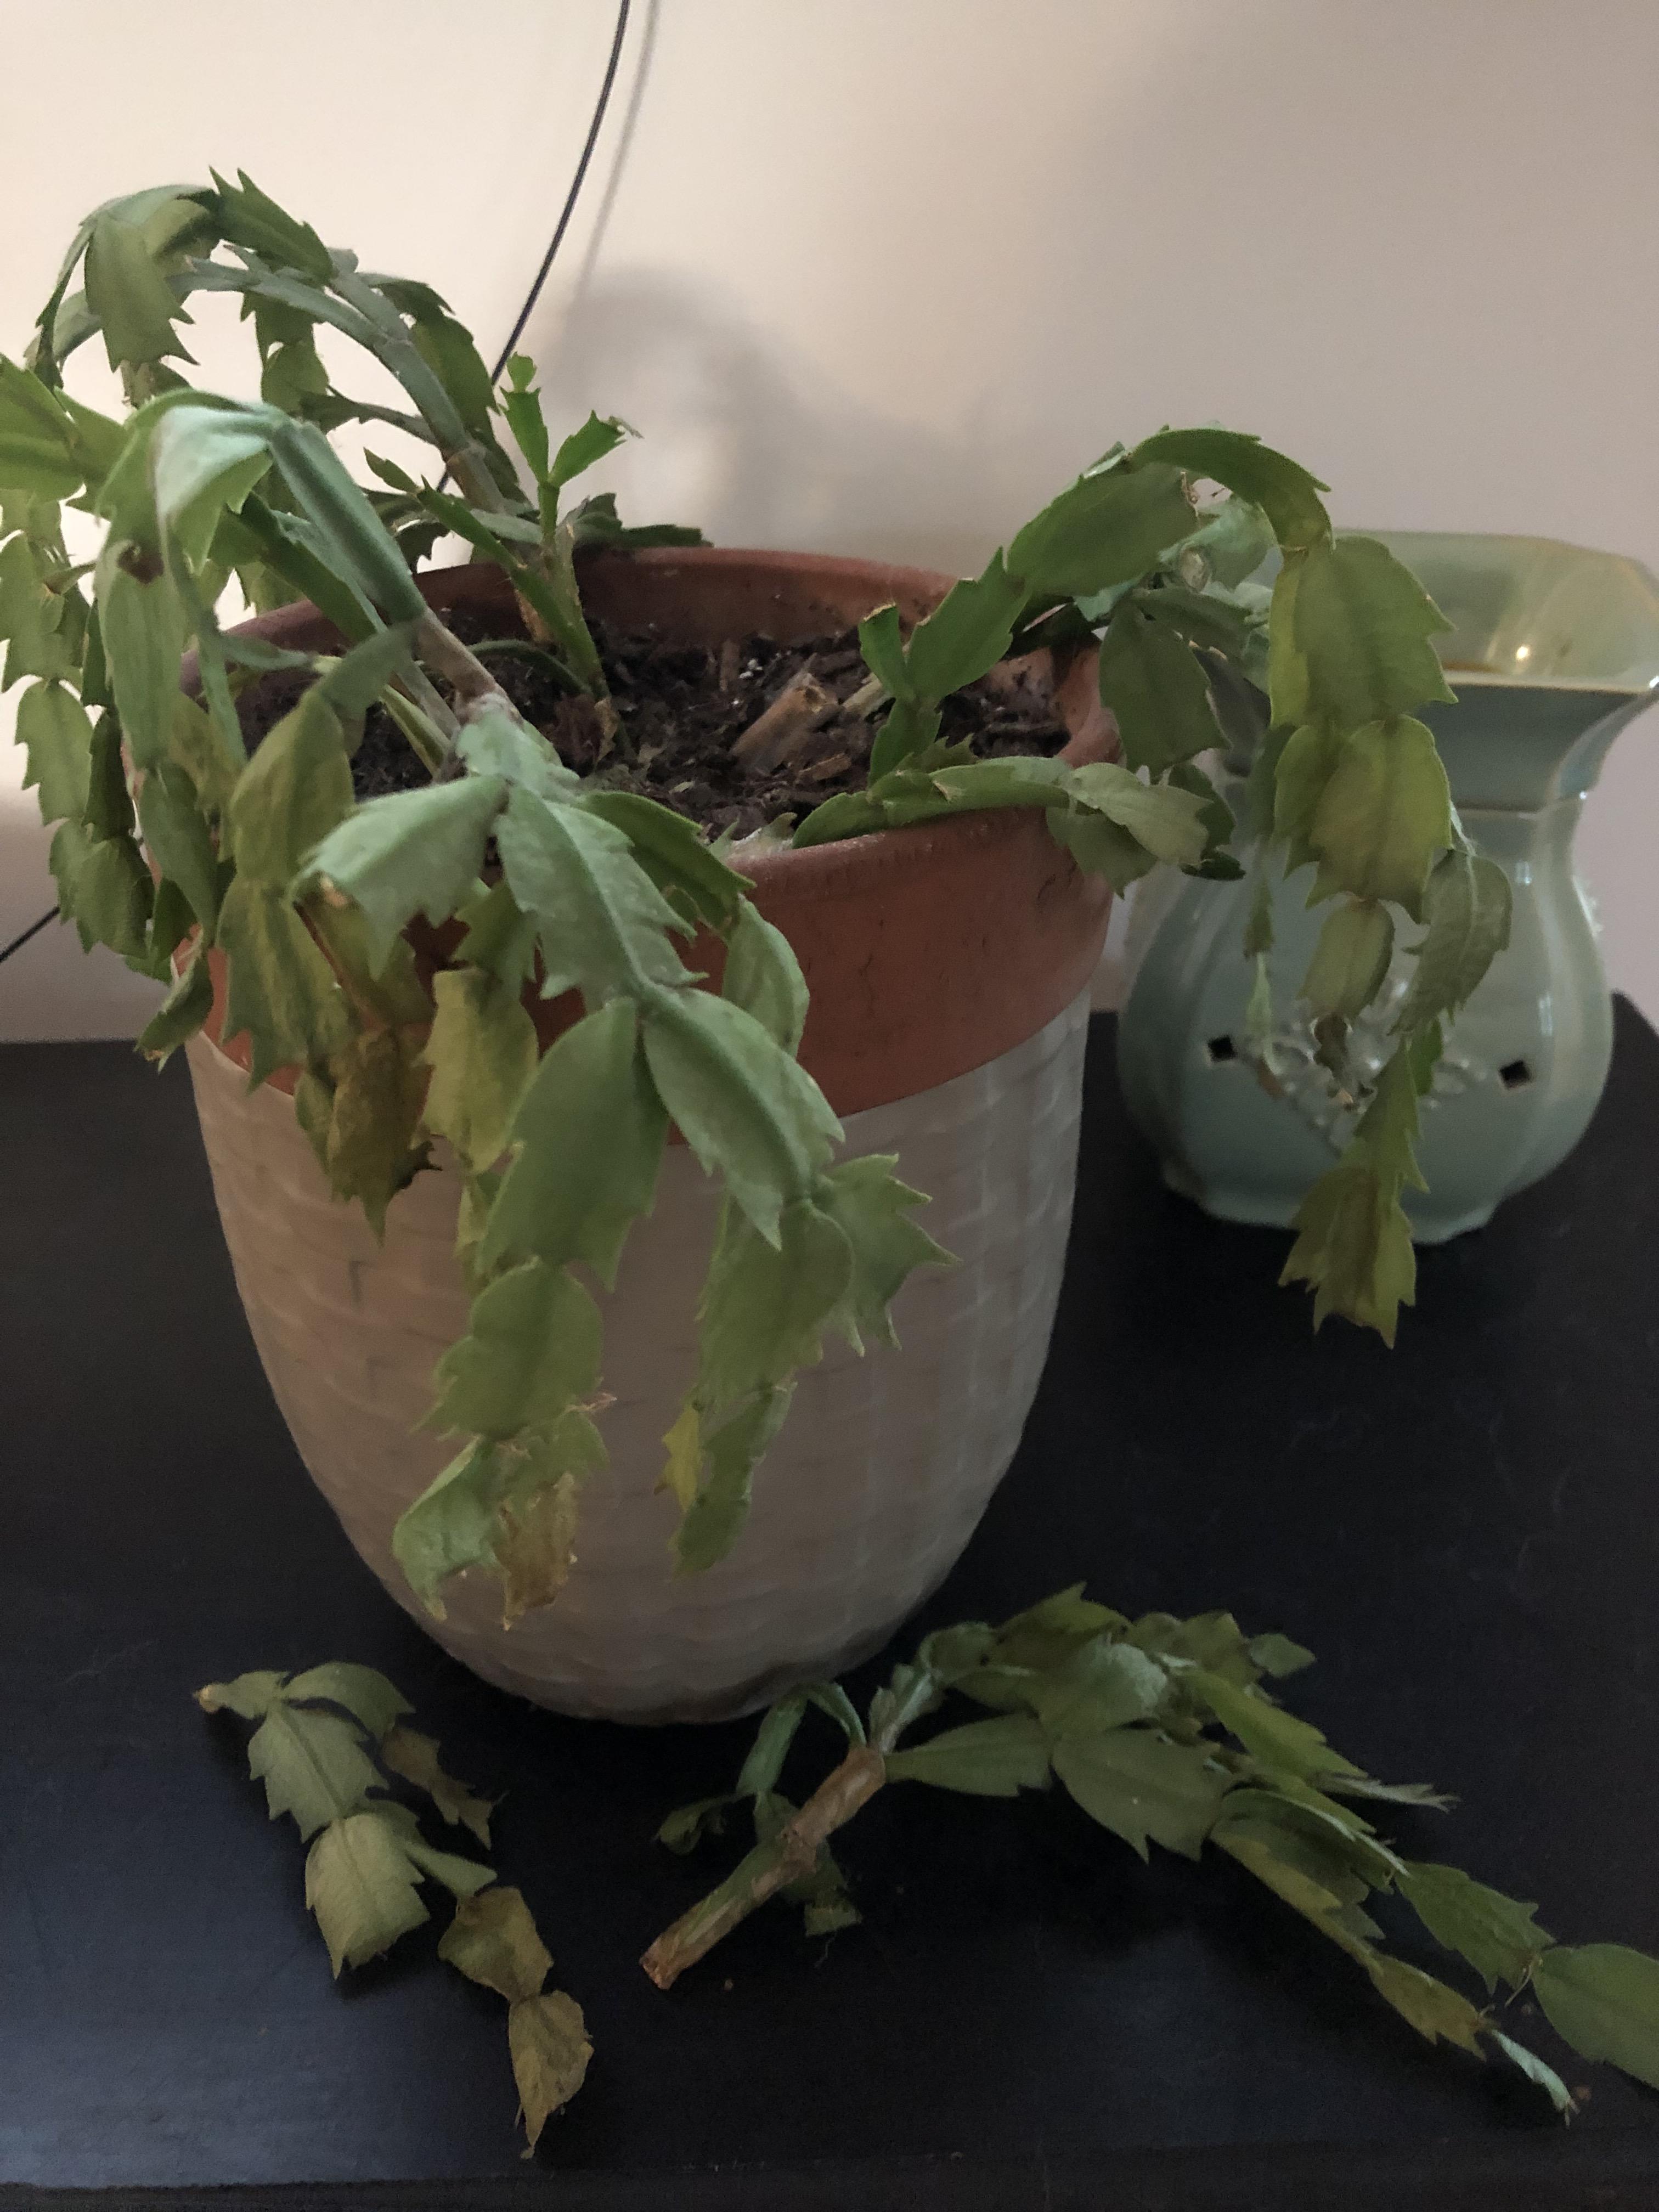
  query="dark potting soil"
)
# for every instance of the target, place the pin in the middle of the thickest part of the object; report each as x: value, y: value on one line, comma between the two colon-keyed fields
x: 683, y: 715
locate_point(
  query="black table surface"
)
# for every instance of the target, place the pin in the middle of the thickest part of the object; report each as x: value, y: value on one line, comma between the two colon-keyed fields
x: 1463, y: 1530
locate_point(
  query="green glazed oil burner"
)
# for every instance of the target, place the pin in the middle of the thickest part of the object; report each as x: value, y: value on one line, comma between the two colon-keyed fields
x: 1553, y: 651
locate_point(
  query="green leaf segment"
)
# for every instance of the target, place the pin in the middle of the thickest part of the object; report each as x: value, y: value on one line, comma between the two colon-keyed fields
x: 330, y: 1746
x: 1166, y: 1731
x: 586, y: 1125
x: 171, y: 842
x: 1349, y: 778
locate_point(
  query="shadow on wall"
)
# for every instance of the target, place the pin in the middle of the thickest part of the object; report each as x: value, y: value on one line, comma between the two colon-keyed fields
x: 758, y: 448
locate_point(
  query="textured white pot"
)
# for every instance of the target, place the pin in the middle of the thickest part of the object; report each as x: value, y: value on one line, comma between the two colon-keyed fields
x: 879, y: 1477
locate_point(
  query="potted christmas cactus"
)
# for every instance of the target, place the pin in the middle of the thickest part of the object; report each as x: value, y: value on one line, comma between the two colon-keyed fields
x: 597, y: 962
x: 632, y: 934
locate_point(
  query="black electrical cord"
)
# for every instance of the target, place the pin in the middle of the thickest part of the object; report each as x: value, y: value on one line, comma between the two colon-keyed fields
x: 524, y: 313
x: 33, y: 930
x: 572, y: 196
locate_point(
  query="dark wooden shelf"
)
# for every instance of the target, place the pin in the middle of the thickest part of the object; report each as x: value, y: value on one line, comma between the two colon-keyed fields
x: 1465, y: 1531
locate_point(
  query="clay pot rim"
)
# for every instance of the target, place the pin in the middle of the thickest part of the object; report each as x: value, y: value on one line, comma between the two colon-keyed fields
x: 923, y: 956
x: 813, y: 872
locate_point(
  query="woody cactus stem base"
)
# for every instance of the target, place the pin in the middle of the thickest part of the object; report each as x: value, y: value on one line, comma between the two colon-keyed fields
x: 862, y: 1506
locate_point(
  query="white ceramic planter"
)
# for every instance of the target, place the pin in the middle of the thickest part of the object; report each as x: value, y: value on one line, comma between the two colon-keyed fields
x: 875, y: 1484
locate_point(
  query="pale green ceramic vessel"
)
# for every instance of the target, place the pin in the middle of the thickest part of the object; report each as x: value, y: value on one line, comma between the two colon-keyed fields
x: 1553, y: 651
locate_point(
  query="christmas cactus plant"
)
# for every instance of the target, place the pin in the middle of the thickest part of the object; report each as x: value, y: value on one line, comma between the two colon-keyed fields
x: 176, y: 843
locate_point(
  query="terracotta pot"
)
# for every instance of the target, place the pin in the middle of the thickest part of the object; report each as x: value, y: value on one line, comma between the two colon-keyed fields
x: 949, y: 965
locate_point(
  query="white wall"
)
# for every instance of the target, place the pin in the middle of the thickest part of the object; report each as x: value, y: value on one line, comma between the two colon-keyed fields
x: 879, y: 275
